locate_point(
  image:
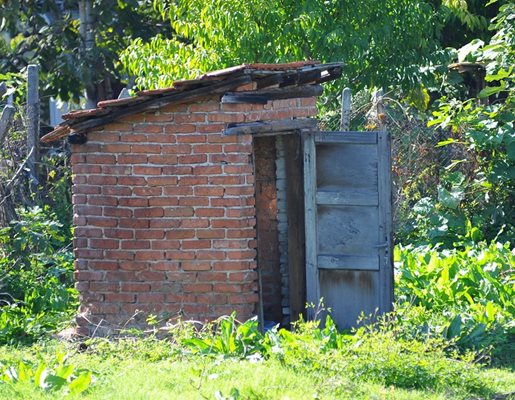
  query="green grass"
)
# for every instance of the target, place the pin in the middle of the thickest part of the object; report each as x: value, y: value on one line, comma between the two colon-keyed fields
x: 158, y: 369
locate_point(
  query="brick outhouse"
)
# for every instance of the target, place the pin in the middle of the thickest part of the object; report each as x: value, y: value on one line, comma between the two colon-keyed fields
x: 176, y: 198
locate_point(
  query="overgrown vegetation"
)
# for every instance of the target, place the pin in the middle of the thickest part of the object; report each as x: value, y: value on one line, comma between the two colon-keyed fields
x: 455, y: 264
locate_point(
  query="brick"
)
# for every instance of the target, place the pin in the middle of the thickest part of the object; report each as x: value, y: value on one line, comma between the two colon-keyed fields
x: 147, y: 191
x: 208, y: 191
x: 165, y: 223
x: 205, y: 106
x: 209, y: 212
x: 119, y: 126
x: 146, y: 170
x: 147, y: 276
x: 133, y: 265
x: 117, y: 212
x: 231, y: 244
x: 195, y: 266
x: 153, y: 212
x: 238, y: 169
x: 103, y: 243
x: 241, y: 212
x: 167, y: 266
x: 177, y: 191
x: 100, y: 159
x: 189, y: 118
x: 132, y: 159
x: 239, y: 191
x: 161, y: 138
x: 180, y: 255
x: 148, y: 128
x: 207, y: 148
x: 102, y: 201
x: 210, y: 128
x: 195, y: 309
x: 177, y: 149
x: 106, y: 222
x: 116, y: 191
x: 192, y: 159
x: 226, y: 180
x: 194, y: 138
x: 225, y: 117
x: 241, y: 233
x: 210, y: 255
x: 229, y: 159
x: 158, y: 117
x: 177, y: 170
x: 153, y: 298
x: 134, y: 287
x: 241, y: 255
x: 166, y: 245
x: 197, y: 287
x: 182, y: 128
x: 116, y: 170
x: 180, y: 234
x: 195, y: 244
x: 150, y: 234
x: 87, y: 210
x: 194, y: 223
x: 116, y: 148
x: 231, y: 265
x: 163, y: 201
x: 193, y: 201
x: 146, y: 148
x: 210, y: 233
x: 207, y: 170
x: 118, y: 233
x: 133, y: 202
x: 179, y: 212
x: 120, y: 276
x: 104, y: 287
x: 167, y: 159
x: 80, y: 276
x: 134, y: 223
x: 132, y: 180
x: 135, y: 244
x: 233, y: 223
x: 85, y: 189
x: 79, y: 179
x: 162, y: 181
x: 119, y: 255
x: 149, y: 255
x: 133, y: 138
x: 227, y: 201
x: 237, y: 148
x: 120, y: 297
x: 88, y: 232
x: 79, y: 199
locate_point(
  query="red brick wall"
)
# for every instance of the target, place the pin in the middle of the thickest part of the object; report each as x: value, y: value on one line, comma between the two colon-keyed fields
x: 164, y: 213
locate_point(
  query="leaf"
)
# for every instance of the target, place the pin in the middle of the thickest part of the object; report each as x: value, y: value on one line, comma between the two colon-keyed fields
x: 80, y: 384
x: 454, y: 329
x: 491, y: 90
x: 466, y: 53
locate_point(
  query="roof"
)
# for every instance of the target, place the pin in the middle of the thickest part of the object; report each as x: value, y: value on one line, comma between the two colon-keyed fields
x: 300, y: 73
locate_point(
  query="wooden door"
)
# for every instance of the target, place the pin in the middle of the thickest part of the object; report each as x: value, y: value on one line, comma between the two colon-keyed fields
x: 347, y: 185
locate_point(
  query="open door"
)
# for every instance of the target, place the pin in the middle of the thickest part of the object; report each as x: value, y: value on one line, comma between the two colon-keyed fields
x: 347, y: 188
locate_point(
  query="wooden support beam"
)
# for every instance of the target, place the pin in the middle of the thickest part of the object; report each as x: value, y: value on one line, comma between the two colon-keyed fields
x: 263, y: 96
x: 33, y: 122
x: 270, y: 127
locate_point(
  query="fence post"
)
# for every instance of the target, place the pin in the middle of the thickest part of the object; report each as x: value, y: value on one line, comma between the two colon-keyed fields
x: 346, y: 105
x: 33, y: 122
x: 379, y: 109
x: 5, y: 121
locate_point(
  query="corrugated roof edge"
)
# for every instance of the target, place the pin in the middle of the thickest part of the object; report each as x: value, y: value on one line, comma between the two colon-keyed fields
x: 215, y: 82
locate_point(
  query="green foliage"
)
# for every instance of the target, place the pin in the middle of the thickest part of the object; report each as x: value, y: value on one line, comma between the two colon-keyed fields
x: 36, y: 279
x: 465, y: 296
x: 484, y: 197
x: 228, y: 337
x: 59, y: 376
x: 380, y: 43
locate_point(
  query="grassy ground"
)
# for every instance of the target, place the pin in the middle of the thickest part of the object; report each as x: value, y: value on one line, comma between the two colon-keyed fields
x: 151, y: 369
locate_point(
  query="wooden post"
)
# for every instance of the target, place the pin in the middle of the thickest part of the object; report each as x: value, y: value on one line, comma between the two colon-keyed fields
x: 33, y: 122
x: 379, y: 111
x: 346, y: 108
x: 5, y: 121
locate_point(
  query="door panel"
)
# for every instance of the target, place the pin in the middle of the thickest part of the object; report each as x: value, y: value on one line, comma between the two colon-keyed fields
x: 348, y: 223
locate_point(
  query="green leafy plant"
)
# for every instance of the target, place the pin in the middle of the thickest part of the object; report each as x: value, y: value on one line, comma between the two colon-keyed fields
x: 56, y: 376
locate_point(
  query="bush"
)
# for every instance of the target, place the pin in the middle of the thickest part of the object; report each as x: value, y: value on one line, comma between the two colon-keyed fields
x: 466, y: 296
x: 36, y: 268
